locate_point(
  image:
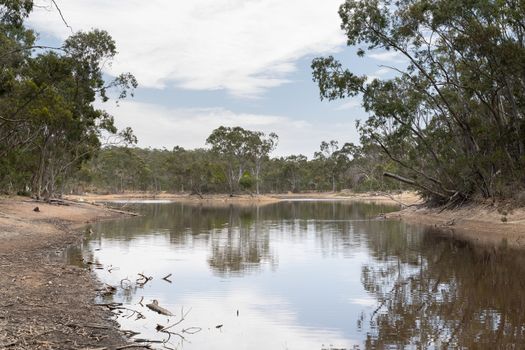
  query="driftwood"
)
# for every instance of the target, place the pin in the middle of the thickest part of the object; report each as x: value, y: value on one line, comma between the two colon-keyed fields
x: 122, y: 212
x: 129, y: 333
x: 107, y: 290
x: 58, y: 201
x: 143, y: 279
x: 55, y: 201
x: 138, y: 340
x: 118, y: 308
x: 109, y: 305
x: 131, y: 312
x: 154, y: 306
x: 166, y: 278
x: 129, y: 346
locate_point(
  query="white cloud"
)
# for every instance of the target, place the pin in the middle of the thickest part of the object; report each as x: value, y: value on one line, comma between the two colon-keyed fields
x: 242, y: 46
x: 388, y: 56
x: 384, y: 71
x: 159, y: 126
x: 352, y: 103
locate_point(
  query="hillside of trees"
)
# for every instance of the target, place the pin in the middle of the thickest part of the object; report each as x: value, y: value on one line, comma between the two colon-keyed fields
x: 453, y: 117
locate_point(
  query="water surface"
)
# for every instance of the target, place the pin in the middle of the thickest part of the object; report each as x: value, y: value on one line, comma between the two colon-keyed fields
x: 307, y: 275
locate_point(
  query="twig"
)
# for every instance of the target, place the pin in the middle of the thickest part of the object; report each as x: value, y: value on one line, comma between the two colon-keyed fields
x: 182, y: 317
x: 166, y: 278
x: 168, y: 347
x: 109, y: 305
x: 129, y: 333
x: 139, y: 314
x: 183, y: 339
x: 148, y: 341
x: 62, y: 16
x: 192, y: 330
x: 129, y: 346
x: 122, y: 283
x: 143, y: 277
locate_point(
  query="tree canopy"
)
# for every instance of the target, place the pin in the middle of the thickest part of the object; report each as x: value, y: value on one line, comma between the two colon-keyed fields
x: 452, y: 118
x: 49, y: 124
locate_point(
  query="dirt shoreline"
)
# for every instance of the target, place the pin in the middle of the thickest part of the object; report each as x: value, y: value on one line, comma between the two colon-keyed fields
x: 404, y: 198
x: 484, y: 224
x: 46, y: 303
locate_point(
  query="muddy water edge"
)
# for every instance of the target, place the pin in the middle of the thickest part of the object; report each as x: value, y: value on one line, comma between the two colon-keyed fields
x: 46, y: 303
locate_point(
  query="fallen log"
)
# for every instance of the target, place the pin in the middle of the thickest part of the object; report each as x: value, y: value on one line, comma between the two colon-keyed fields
x: 125, y: 212
x: 154, y: 306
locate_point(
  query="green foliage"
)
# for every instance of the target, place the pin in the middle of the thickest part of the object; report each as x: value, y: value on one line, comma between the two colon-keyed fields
x: 49, y: 126
x: 239, y: 147
x: 452, y: 119
x: 246, y: 181
x: 199, y: 171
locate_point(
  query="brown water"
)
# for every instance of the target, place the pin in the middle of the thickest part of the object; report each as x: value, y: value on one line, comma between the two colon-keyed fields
x: 308, y: 275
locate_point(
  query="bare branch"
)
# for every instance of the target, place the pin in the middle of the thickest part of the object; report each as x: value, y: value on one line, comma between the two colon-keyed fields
x: 62, y: 16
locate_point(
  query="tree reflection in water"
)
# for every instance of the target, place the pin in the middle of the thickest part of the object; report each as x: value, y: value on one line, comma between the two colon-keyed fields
x: 432, y: 291
x: 435, y: 291
x: 238, y: 236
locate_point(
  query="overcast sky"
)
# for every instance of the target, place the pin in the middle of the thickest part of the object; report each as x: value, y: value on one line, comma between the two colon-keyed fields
x: 205, y: 63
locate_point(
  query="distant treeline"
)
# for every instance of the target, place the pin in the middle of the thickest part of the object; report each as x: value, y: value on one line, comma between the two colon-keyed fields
x: 54, y: 140
x: 237, y: 161
x: 449, y: 123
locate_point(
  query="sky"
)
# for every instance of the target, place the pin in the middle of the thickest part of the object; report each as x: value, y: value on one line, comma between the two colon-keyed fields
x: 201, y: 64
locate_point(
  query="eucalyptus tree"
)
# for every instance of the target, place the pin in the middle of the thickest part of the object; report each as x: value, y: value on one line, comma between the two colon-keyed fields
x: 14, y: 38
x: 232, y: 144
x: 260, y: 149
x: 71, y: 127
x: 452, y: 118
x: 239, y: 147
x: 331, y: 160
x: 48, y: 122
x: 295, y: 171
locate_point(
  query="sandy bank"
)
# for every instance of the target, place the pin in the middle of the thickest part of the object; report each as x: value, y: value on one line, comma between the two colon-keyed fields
x: 484, y: 224
x: 44, y: 302
x: 404, y: 198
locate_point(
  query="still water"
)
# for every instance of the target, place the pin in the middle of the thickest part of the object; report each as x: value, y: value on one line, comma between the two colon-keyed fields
x: 306, y: 275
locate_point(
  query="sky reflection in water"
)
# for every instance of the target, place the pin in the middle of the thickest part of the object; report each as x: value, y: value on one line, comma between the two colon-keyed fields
x: 308, y: 275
